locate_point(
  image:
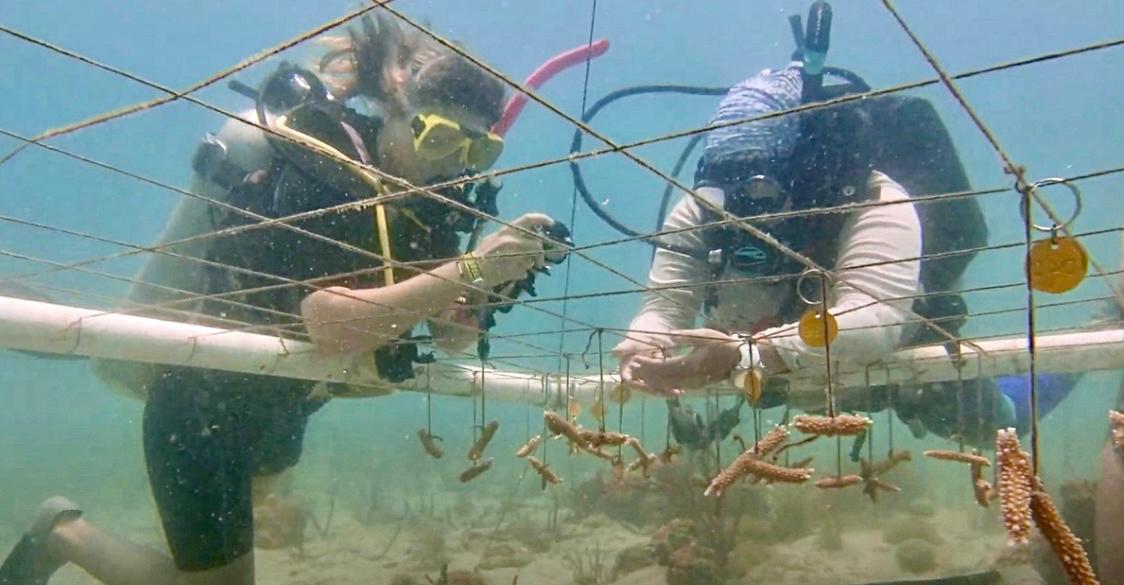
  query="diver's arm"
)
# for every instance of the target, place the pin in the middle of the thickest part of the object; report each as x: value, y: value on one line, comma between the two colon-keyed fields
x: 343, y: 320
x: 675, y: 277
x: 454, y: 330
x: 877, y: 255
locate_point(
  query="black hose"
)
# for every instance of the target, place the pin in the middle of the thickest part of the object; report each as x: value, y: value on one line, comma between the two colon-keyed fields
x: 853, y: 84
x: 576, y: 145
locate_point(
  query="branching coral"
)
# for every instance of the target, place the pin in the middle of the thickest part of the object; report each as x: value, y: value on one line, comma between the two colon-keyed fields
x: 1014, y: 486
x: 1023, y: 497
x: 847, y: 425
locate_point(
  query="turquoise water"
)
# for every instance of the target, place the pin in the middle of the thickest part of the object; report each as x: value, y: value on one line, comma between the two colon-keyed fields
x: 62, y: 432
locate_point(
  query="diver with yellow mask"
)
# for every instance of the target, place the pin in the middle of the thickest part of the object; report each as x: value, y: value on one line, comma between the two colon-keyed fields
x: 357, y: 278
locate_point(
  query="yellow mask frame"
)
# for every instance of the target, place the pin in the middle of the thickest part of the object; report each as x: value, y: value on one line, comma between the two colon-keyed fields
x: 437, y: 137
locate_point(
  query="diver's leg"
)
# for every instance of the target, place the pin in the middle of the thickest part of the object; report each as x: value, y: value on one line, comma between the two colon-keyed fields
x: 199, y: 468
x: 199, y: 455
x: 115, y: 561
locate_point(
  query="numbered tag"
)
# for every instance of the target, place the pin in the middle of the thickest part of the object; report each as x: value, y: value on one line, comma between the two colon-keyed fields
x: 751, y: 386
x: 1057, y: 265
x: 818, y: 328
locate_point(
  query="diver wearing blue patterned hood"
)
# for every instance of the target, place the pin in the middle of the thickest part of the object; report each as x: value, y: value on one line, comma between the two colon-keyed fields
x: 781, y: 162
x: 744, y: 169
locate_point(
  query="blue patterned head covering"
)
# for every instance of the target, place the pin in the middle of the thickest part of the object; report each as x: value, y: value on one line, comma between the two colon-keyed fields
x: 766, y: 140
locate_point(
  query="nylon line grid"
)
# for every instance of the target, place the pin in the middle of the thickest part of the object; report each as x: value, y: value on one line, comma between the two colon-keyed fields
x: 568, y: 323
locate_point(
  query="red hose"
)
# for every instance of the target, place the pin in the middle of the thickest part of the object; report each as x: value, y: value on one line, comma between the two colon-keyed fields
x: 555, y: 65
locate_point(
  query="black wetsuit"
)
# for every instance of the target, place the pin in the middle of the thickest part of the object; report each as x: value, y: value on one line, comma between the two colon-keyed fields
x: 206, y: 435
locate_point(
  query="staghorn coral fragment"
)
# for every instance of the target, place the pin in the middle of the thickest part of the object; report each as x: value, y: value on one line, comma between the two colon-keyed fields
x: 477, y: 468
x: 748, y: 463
x: 645, y: 461
x: 779, y: 473
x: 984, y: 492
x: 981, y: 488
x: 548, y: 476
x: 602, y: 454
x: 477, y: 450
x: 595, y: 439
x: 805, y: 462
x: 617, y: 468
x: 838, y: 481
x: 529, y: 447
x: 429, y: 443
x: 559, y: 426
x: 1065, y: 544
x: 771, y: 441
x: 1014, y: 485
x: 973, y: 458
x: 845, y: 425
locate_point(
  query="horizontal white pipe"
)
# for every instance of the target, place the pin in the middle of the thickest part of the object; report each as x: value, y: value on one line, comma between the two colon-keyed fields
x: 58, y: 329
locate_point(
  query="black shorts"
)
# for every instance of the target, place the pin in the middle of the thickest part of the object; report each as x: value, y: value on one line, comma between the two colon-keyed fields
x: 206, y: 434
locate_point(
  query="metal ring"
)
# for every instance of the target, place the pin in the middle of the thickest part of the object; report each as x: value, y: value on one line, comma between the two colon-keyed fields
x: 1046, y: 183
x: 823, y: 286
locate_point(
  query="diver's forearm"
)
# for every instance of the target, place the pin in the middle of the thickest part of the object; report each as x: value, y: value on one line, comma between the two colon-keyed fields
x: 456, y: 331
x: 341, y: 320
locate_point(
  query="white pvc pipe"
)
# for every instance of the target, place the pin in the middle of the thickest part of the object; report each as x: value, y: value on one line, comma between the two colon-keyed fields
x: 58, y: 329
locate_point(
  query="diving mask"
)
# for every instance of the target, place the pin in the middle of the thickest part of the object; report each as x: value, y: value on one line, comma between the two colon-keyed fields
x: 758, y: 195
x: 437, y: 137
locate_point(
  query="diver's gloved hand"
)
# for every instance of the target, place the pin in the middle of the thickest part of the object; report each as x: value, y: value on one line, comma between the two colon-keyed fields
x: 509, y: 255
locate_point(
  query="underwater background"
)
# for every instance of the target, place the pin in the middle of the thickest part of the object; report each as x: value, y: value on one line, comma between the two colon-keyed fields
x: 61, y: 432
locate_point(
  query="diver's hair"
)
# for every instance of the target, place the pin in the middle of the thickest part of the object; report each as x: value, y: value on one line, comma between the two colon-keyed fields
x: 404, y: 71
x: 452, y: 80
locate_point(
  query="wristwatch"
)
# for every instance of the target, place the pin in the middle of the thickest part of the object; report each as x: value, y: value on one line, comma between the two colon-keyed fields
x: 469, y: 268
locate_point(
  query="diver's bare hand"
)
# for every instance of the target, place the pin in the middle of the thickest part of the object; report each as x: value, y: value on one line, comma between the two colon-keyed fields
x: 639, y: 343
x: 712, y: 358
x: 509, y: 254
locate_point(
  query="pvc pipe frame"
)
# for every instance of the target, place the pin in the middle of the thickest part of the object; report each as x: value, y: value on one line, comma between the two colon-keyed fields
x: 60, y: 329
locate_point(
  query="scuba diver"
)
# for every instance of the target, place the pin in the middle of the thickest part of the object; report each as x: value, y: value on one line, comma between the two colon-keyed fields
x: 212, y: 436
x: 767, y: 169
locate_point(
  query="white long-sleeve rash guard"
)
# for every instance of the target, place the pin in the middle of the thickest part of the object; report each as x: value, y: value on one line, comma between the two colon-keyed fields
x: 877, y: 260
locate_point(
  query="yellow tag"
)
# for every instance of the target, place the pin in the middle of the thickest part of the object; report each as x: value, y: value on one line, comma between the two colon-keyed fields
x: 751, y: 386
x: 1057, y: 265
x: 817, y: 331
x: 620, y: 394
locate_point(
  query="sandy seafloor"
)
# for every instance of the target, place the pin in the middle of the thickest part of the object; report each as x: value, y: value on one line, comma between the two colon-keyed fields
x: 395, y: 543
x: 357, y: 450
x: 352, y: 554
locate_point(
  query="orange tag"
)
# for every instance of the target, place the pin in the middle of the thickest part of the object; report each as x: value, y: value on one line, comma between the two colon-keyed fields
x: 817, y: 330
x: 1057, y: 265
x: 751, y: 386
x: 620, y: 394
